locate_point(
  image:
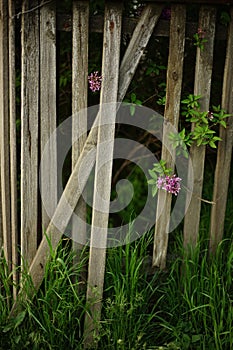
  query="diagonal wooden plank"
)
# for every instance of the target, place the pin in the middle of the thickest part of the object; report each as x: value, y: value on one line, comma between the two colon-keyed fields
x: 223, y: 165
x: 5, y: 132
x: 172, y: 111
x: 202, y: 86
x: 103, y: 172
x: 71, y: 194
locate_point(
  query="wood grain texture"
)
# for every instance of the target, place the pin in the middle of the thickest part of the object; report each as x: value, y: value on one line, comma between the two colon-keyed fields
x: 5, y: 132
x: 80, y: 36
x: 171, y: 115
x: 103, y: 172
x: 48, y: 113
x: 224, y: 155
x: 13, y: 144
x: 202, y: 86
x: 29, y: 131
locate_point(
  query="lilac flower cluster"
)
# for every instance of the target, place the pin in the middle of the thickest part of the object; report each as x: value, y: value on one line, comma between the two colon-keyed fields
x: 170, y: 184
x: 201, y: 33
x: 95, y: 81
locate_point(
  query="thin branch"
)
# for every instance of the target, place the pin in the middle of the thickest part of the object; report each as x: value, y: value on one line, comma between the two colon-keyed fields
x: 17, y: 15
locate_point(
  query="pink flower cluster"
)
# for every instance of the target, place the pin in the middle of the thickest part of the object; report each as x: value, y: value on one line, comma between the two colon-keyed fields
x: 95, y: 81
x: 201, y: 33
x: 170, y: 184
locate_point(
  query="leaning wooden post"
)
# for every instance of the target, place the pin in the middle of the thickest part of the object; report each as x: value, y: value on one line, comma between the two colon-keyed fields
x: 48, y: 112
x: 29, y: 131
x: 13, y: 163
x: 72, y: 193
x: 202, y: 86
x: 80, y: 31
x: 223, y: 165
x: 171, y: 115
x: 103, y: 170
x: 5, y: 132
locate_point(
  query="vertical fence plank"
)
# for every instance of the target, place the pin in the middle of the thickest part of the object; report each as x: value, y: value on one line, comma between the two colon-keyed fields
x: 223, y: 165
x: 172, y: 110
x: 48, y: 111
x: 29, y: 130
x: 202, y: 86
x: 79, y: 105
x: 13, y: 163
x: 103, y: 173
x: 71, y: 194
x: 5, y: 131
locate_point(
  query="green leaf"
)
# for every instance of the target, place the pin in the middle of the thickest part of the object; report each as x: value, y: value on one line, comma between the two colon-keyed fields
x: 223, y: 123
x: 154, y: 191
x: 212, y: 144
x: 153, y: 174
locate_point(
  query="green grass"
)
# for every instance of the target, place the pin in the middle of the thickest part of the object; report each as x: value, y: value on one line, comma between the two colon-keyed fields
x: 188, y: 306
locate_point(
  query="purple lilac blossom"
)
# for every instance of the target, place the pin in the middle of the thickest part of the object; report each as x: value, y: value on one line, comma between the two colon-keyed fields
x: 95, y: 81
x: 171, y: 184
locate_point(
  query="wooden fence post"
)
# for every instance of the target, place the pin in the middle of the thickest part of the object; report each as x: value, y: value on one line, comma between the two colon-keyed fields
x: 172, y: 111
x: 223, y: 165
x: 13, y: 162
x: 80, y: 31
x: 5, y: 132
x: 48, y: 112
x: 202, y: 86
x: 29, y: 130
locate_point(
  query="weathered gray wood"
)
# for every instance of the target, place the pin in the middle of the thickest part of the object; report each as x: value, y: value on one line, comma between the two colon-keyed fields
x: 71, y: 194
x: 140, y: 39
x: 64, y: 23
x: 48, y: 113
x: 172, y: 111
x: 5, y: 131
x: 202, y: 86
x: 223, y: 165
x: 29, y: 131
x: 79, y: 106
x: 103, y: 172
x: 13, y: 162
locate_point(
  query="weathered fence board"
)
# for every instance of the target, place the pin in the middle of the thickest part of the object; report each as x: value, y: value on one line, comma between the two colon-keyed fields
x: 13, y: 162
x: 202, y: 86
x: 103, y: 172
x: 171, y: 115
x: 48, y: 113
x: 223, y: 165
x: 29, y: 131
x: 5, y: 132
x: 79, y: 104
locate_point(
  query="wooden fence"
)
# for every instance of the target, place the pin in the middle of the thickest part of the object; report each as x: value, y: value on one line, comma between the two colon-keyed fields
x: 39, y: 27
